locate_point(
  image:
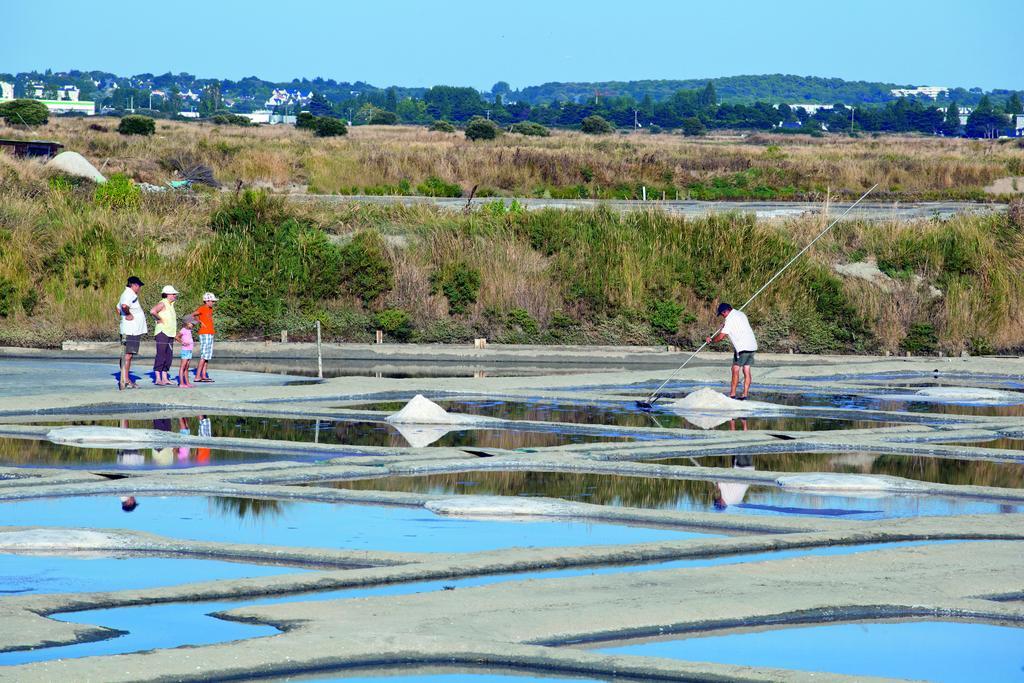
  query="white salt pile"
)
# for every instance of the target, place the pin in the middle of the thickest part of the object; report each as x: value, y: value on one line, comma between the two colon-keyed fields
x: 107, y: 437
x: 706, y: 400
x: 422, y: 411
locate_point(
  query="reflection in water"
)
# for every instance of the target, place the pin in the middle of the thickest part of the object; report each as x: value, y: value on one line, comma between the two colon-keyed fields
x: 247, y: 509
x: 918, y: 467
x: 671, y: 494
x: 625, y: 415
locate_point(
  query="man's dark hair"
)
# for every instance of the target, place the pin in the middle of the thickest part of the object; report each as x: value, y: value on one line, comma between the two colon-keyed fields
x: 134, y: 280
x: 724, y: 308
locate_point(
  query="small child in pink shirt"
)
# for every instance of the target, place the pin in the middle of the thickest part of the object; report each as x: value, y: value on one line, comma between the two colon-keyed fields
x: 184, y: 337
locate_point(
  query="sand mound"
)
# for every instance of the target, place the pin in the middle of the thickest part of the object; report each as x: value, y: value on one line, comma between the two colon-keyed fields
x: 74, y: 164
x: 106, y: 437
x: 502, y: 506
x: 422, y: 411
x: 849, y: 483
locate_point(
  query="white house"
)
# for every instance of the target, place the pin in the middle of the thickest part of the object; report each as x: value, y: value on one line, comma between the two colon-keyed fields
x: 6, y: 91
x: 930, y: 91
x: 68, y: 93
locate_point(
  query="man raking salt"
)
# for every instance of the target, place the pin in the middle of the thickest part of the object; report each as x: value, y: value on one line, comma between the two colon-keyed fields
x: 737, y: 329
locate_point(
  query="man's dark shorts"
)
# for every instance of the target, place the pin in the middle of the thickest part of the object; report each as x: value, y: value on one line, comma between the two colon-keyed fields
x: 743, y: 358
x: 131, y: 343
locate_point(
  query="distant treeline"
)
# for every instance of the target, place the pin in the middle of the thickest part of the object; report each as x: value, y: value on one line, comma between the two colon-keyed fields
x: 750, y: 102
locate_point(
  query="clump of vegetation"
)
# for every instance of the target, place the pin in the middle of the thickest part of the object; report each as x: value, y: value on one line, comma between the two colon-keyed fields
x: 24, y: 113
x: 692, y: 126
x: 460, y: 284
x: 435, y: 187
x: 366, y: 269
x: 596, y: 125
x: 304, y: 120
x: 119, y: 192
x: 921, y: 338
x: 327, y: 127
x: 665, y: 316
x: 480, y: 128
x: 135, y: 124
x: 395, y: 323
x: 531, y: 128
x: 442, y: 126
x: 229, y: 119
x: 382, y: 117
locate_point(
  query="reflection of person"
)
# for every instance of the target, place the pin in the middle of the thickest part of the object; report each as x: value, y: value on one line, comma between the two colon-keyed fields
x: 205, y: 429
x: 166, y: 328
x: 737, y: 329
x: 204, y: 314
x: 732, y: 492
x: 132, y: 328
x: 128, y: 503
x: 184, y: 430
x: 131, y: 458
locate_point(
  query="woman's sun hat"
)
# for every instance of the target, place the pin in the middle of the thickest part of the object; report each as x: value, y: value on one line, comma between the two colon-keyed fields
x: 168, y: 289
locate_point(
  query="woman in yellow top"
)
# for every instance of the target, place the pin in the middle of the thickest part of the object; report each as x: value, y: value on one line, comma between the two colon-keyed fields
x: 166, y: 329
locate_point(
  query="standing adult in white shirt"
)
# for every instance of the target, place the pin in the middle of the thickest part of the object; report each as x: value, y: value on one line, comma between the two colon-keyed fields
x: 133, y: 327
x: 744, y: 344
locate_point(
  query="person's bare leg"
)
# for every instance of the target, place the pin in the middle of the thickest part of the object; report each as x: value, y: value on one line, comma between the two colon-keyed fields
x: 126, y: 370
x: 201, y: 369
x: 746, y: 380
x: 735, y: 380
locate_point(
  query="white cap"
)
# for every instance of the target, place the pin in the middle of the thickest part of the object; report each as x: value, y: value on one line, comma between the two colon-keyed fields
x: 209, y: 296
x: 168, y: 289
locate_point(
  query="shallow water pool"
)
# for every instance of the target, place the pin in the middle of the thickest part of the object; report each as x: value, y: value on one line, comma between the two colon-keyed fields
x: 323, y: 525
x: 23, y: 574
x: 951, y: 652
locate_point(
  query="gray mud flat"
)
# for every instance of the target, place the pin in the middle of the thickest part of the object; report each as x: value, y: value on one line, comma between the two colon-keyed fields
x: 712, y: 535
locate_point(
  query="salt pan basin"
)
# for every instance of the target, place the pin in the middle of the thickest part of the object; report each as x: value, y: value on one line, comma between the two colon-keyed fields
x: 970, y: 395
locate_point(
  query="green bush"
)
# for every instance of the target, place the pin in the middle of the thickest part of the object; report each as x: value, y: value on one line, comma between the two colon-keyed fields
x: 435, y: 187
x: 134, y: 124
x: 382, y: 117
x: 231, y: 120
x: 531, y: 128
x: 305, y: 121
x: 8, y: 297
x: 921, y: 338
x: 444, y: 332
x: 441, y: 126
x: 692, y: 126
x: 395, y: 323
x: 459, y: 283
x: 480, y: 128
x: 119, y: 192
x: 596, y: 125
x: 24, y: 113
x: 327, y: 127
x: 664, y: 316
x: 520, y: 319
x: 367, y: 270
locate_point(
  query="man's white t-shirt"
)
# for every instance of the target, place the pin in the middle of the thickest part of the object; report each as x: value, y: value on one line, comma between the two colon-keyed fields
x: 137, y: 325
x: 738, y: 328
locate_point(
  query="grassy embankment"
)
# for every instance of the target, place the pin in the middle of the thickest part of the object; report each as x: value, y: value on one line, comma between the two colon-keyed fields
x: 404, y: 159
x: 511, y: 276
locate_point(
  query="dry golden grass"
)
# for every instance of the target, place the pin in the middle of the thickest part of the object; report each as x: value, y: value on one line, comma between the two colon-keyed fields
x: 284, y: 159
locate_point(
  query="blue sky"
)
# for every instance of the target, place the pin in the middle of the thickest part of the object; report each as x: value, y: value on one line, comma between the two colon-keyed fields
x: 937, y: 42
